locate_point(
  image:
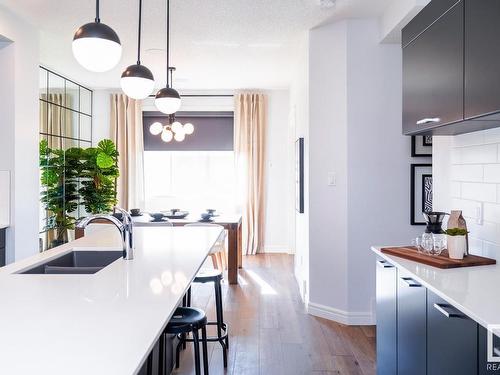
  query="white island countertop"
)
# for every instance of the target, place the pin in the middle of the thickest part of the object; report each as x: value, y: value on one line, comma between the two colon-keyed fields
x: 105, y: 323
x: 472, y: 290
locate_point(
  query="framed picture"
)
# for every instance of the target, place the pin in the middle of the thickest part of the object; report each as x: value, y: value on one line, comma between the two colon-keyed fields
x: 299, y: 175
x: 420, y: 192
x: 421, y: 145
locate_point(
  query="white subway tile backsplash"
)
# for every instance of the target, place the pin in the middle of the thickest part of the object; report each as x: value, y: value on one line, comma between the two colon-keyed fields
x: 467, y: 207
x: 491, y: 250
x: 487, y: 231
x: 479, y: 191
x: 479, y: 154
x: 492, y: 173
x: 468, y: 173
x: 456, y: 191
x: 491, y: 212
x: 468, y: 139
x: 475, y: 246
x: 491, y: 135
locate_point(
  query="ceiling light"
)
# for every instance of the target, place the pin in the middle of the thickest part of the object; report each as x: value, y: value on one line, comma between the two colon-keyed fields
x: 137, y: 81
x: 188, y: 128
x: 96, y: 46
x: 156, y: 128
x: 168, y: 100
x: 179, y: 137
x: 177, y: 127
x: 166, y: 135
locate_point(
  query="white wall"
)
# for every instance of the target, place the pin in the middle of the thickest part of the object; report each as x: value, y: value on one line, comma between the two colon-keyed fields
x: 278, y: 166
x: 466, y: 176
x: 19, y: 131
x: 299, y: 124
x: 355, y: 133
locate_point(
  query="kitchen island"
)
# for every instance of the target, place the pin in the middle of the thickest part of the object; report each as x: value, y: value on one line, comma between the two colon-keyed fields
x: 103, y: 323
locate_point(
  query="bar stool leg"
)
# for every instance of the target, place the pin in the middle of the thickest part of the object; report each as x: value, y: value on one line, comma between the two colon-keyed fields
x: 205, y: 350
x: 196, y: 342
x: 220, y: 319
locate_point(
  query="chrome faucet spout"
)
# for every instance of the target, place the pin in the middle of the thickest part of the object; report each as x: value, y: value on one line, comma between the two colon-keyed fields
x: 125, y: 227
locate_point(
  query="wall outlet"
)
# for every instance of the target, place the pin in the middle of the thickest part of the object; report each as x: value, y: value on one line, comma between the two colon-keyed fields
x: 479, y: 213
x: 332, y: 179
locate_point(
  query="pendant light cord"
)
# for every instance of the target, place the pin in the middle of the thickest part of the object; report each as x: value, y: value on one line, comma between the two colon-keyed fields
x: 97, y: 19
x: 139, y: 35
x: 168, y: 39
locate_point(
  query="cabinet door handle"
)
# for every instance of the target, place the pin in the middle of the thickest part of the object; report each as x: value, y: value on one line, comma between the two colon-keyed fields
x: 428, y: 120
x: 410, y: 282
x: 448, y: 311
x: 384, y: 264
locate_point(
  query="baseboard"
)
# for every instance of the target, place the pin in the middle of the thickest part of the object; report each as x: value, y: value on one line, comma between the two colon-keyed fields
x: 275, y: 250
x: 340, y: 316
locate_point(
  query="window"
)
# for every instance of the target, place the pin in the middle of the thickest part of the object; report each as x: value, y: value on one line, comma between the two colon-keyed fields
x: 65, y: 122
x: 195, y: 174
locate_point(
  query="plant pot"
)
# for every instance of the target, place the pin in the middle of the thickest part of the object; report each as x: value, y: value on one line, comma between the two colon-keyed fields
x: 457, y: 246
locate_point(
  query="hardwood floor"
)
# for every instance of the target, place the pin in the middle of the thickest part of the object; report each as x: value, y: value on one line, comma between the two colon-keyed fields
x: 270, y: 332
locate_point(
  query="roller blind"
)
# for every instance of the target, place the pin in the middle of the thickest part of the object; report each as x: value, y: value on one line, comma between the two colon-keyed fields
x: 213, y: 131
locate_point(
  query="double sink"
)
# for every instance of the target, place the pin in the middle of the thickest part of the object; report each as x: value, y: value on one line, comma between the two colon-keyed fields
x: 76, y: 262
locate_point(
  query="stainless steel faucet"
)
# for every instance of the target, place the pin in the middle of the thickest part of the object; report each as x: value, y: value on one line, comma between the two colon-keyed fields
x: 125, y: 227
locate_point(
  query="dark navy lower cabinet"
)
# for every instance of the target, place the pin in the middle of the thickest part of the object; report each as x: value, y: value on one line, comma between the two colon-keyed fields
x: 452, y: 344
x: 486, y: 367
x: 411, y: 326
x: 386, y: 291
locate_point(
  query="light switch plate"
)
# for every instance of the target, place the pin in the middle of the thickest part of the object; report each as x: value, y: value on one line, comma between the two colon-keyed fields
x: 332, y: 179
x: 479, y: 213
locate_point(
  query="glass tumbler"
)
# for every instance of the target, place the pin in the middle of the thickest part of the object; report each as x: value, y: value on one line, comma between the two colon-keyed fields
x: 439, y: 243
x: 427, y: 243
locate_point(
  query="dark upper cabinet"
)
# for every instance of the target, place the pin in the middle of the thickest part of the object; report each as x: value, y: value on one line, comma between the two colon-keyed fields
x: 482, y: 57
x: 451, y: 339
x: 433, y: 68
x: 411, y: 327
x: 386, y: 291
x: 2, y: 247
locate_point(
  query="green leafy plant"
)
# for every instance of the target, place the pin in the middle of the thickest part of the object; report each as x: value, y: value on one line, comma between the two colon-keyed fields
x: 59, y: 171
x: 99, y: 174
x: 456, y: 232
x: 74, y: 177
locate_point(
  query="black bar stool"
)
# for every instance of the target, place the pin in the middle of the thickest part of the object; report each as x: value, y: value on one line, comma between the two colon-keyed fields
x: 189, y: 320
x: 211, y: 276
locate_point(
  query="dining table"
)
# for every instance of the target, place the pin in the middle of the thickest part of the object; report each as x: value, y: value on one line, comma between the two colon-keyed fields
x: 230, y: 222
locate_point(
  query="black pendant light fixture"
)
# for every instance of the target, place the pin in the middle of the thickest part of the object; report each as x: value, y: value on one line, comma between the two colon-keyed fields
x: 137, y: 81
x: 96, y: 46
x: 168, y: 100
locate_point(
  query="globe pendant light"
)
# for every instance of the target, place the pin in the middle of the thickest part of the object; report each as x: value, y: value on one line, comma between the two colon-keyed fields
x: 96, y: 46
x: 168, y: 100
x: 137, y: 81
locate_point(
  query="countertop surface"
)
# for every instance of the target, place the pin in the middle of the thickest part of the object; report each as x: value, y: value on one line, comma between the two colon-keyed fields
x: 472, y: 290
x: 104, y: 323
x: 3, y: 225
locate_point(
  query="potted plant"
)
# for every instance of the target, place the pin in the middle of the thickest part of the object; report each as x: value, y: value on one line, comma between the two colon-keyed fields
x: 457, y: 242
x: 59, y: 171
x: 99, y: 173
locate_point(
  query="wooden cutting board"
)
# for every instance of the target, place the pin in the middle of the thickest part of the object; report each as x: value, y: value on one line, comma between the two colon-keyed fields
x: 440, y: 261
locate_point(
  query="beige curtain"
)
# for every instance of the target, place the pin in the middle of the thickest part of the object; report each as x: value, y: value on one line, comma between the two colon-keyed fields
x: 126, y: 132
x: 249, y: 145
x: 57, y: 121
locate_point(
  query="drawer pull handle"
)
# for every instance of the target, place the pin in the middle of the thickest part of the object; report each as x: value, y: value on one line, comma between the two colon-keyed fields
x: 448, y: 311
x: 428, y: 120
x: 385, y: 264
x: 410, y: 282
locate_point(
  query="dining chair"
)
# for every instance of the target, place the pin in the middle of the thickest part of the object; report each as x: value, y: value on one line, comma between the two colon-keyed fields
x: 218, y: 252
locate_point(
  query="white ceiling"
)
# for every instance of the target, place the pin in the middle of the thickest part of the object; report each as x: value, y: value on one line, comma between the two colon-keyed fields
x: 215, y: 44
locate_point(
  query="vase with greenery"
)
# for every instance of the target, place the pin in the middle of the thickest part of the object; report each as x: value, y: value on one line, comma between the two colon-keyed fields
x: 457, y: 242
x: 99, y: 173
x: 59, y: 173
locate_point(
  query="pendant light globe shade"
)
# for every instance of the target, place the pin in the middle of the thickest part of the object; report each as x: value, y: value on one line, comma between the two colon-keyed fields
x: 168, y: 100
x: 156, y: 128
x: 179, y: 137
x: 177, y: 127
x: 137, y: 81
x: 188, y: 128
x: 166, y: 135
x: 96, y: 47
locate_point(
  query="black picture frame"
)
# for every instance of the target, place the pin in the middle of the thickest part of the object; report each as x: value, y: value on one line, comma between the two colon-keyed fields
x: 299, y: 175
x: 420, y: 147
x: 419, y: 174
